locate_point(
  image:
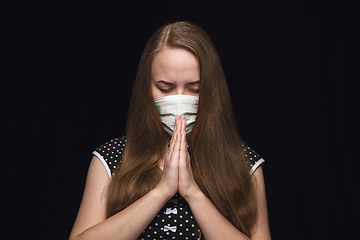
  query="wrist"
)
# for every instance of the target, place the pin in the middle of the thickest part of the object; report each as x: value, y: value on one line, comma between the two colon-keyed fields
x: 162, y: 194
x: 196, y: 195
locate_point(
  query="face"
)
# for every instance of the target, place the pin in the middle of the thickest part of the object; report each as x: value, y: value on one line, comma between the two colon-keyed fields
x: 175, y: 71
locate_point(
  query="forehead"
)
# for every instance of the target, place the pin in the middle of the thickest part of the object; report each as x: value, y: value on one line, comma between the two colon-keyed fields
x: 175, y: 62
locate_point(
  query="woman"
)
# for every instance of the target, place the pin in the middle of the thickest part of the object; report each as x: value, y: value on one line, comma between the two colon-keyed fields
x: 172, y: 177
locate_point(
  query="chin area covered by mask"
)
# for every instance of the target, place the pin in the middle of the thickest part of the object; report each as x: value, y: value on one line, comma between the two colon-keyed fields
x: 170, y: 106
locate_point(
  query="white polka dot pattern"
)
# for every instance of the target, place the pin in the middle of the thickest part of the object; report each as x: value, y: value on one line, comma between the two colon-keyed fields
x: 112, y: 152
x: 253, y: 158
x: 175, y: 220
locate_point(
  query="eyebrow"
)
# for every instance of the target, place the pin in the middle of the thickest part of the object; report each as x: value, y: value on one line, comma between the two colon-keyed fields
x: 165, y: 82
x: 169, y: 83
x: 195, y: 82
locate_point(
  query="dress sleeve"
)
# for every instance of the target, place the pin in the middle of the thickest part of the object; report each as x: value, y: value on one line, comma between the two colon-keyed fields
x: 111, y: 153
x: 253, y: 158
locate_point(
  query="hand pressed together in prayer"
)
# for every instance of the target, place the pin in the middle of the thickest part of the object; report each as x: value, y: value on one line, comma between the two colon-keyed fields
x: 177, y: 174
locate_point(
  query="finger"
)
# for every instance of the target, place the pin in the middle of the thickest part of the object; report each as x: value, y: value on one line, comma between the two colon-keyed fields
x: 180, y: 124
x: 187, y: 155
x: 183, y: 146
x: 183, y: 130
x: 176, y: 124
x: 183, y: 123
x: 175, y: 141
x: 175, y: 154
x: 174, y: 130
x: 171, y: 147
x: 172, y: 142
x: 184, y: 159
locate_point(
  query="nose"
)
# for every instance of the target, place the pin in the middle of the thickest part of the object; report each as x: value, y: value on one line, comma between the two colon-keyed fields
x: 180, y: 91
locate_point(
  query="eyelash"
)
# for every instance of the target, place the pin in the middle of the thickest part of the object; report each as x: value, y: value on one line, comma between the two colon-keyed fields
x: 165, y: 90
x: 168, y: 90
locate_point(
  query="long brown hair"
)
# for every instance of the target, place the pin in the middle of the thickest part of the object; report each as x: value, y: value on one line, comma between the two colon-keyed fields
x: 217, y: 158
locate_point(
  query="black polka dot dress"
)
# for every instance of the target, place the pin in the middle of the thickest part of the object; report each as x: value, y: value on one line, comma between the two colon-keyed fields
x: 175, y: 220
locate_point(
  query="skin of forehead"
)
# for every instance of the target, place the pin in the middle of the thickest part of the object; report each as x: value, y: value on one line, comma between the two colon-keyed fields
x: 177, y: 66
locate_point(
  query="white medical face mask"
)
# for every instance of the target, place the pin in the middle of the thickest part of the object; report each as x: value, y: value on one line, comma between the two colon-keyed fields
x: 170, y: 106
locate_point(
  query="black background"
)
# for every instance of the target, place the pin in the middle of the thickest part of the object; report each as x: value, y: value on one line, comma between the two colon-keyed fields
x: 66, y: 73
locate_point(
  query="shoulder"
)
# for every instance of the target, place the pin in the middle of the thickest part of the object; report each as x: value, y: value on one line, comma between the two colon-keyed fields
x: 253, y: 158
x: 111, y: 153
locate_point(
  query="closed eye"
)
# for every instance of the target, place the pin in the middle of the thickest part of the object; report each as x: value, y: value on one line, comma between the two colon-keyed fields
x: 194, y: 90
x: 165, y: 90
x: 164, y: 86
x: 194, y: 86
